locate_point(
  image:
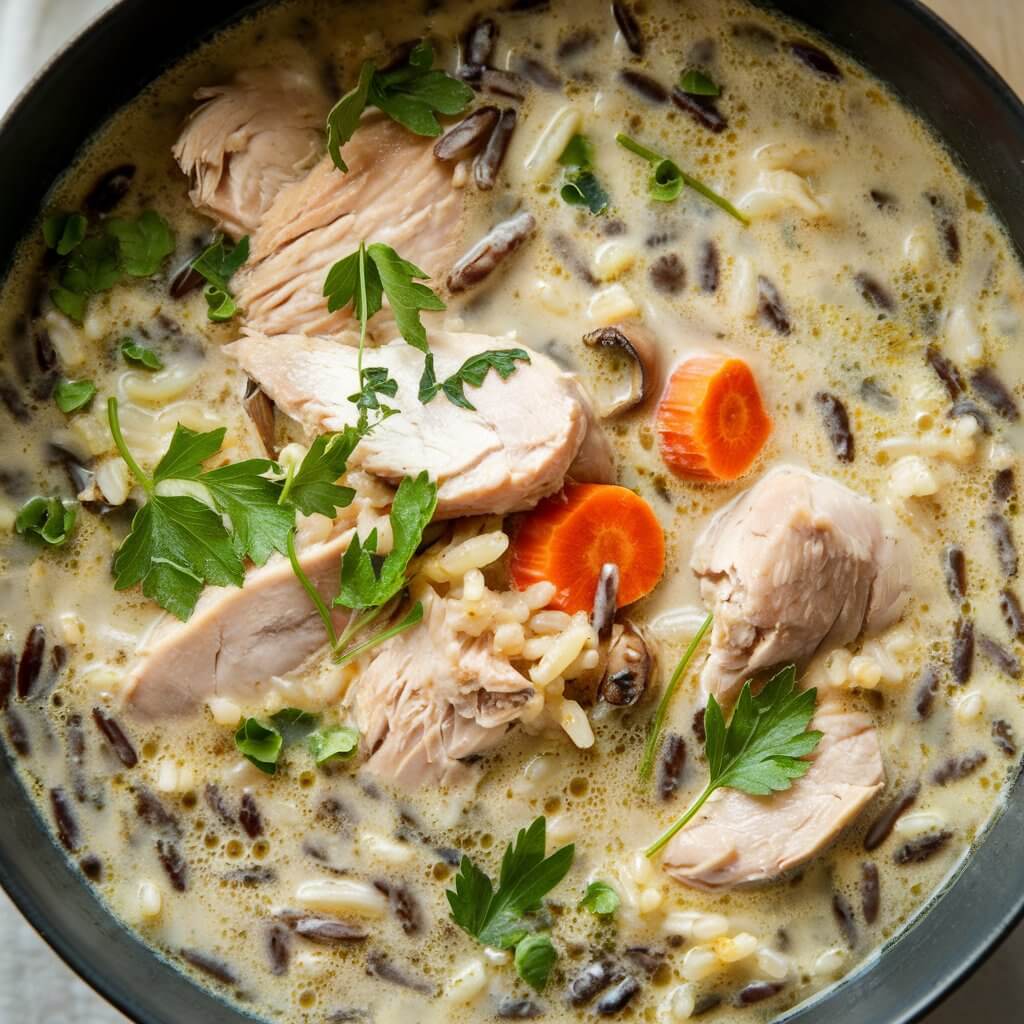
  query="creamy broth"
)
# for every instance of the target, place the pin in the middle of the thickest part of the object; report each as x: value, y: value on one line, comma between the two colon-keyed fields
x: 877, y: 248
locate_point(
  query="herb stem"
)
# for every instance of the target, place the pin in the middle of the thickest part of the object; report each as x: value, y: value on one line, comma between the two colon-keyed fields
x: 314, y: 594
x: 357, y: 622
x: 635, y: 147
x: 674, y: 828
x: 288, y: 480
x: 651, y: 746
x: 114, y: 419
x: 414, y: 616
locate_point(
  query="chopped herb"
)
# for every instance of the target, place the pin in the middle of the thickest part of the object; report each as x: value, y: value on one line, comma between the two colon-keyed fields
x: 133, y: 352
x: 337, y: 743
x: 73, y: 394
x: 534, y: 959
x: 472, y: 371
x: 312, y: 486
x: 580, y: 186
x: 376, y: 382
x: 667, y: 179
x: 144, y: 243
x: 93, y: 266
x: 64, y: 231
x: 294, y: 723
x: 600, y: 899
x: 495, y: 917
x: 217, y: 264
x: 46, y: 520
x: 760, y: 751
x: 260, y: 744
x: 651, y: 746
x: 412, y: 95
x: 695, y: 82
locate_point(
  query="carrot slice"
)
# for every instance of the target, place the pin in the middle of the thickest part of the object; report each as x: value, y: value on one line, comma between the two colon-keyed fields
x: 568, y: 538
x: 711, y: 421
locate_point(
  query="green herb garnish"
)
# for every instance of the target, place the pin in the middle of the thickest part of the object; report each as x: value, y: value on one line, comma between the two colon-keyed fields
x: 695, y: 82
x: 472, y: 371
x: 73, y: 394
x: 580, y: 186
x: 93, y: 266
x: 46, y: 520
x: 667, y: 179
x: 145, y: 242
x: 760, y: 751
x: 412, y: 95
x: 651, y: 746
x: 217, y: 264
x: 64, y: 231
x: 260, y: 744
x: 311, y: 486
x: 496, y: 916
x: 337, y: 743
x: 600, y: 899
x: 138, y: 354
x: 534, y: 959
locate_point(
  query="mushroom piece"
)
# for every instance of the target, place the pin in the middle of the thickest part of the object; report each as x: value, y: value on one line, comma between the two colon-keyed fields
x: 606, y: 601
x: 261, y: 411
x: 629, y: 667
x: 639, y: 346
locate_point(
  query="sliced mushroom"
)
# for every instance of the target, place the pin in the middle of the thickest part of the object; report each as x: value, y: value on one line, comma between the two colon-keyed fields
x: 606, y: 599
x: 261, y: 411
x: 629, y: 668
x: 634, y: 342
x: 497, y: 245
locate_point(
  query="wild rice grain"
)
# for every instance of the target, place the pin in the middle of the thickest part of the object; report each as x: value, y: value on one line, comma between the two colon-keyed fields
x: 946, y: 372
x: 671, y: 765
x: 757, y: 992
x: 1002, y: 736
x: 67, y: 824
x: 1002, y: 537
x: 963, y: 651
x: 115, y: 736
x: 870, y: 894
x: 629, y: 27
x: 837, y: 425
x: 216, y: 969
x: 1013, y: 616
x: 882, y: 826
x: 954, y: 769
x: 173, y: 864
x: 917, y: 851
x: 1002, y: 657
x: 954, y: 567
x: 31, y: 664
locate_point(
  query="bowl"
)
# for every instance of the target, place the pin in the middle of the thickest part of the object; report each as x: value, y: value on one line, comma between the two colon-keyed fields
x: 934, y: 72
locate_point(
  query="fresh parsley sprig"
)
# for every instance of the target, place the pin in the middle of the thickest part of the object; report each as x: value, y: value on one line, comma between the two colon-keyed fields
x: 472, y: 371
x: 47, y: 521
x: 496, y: 916
x: 658, y: 722
x: 668, y: 179
x: 760, y: 751
x: 217, y: 264
x: 412, y: 94
x: 263, y: 743
x: 581, y: 186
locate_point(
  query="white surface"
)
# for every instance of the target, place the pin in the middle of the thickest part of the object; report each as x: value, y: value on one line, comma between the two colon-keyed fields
x: 35, y: 987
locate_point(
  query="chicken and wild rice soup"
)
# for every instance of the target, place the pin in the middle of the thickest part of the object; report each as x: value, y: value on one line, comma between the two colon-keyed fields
x: 509, y: 512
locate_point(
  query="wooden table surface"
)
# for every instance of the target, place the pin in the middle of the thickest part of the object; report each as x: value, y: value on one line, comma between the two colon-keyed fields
x: 995, y: 28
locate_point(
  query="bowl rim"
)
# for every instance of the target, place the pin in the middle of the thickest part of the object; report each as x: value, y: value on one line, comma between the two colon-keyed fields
x: 77, y: 956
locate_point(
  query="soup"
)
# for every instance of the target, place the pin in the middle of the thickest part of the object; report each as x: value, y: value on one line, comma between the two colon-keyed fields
x: 515, y: 524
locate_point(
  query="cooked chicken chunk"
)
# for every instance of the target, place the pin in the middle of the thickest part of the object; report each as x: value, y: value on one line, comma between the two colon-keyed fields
x: 237, y: 638
x: 515, y: 449
x: 395, y: 192
x: 739, y: 838
x: 249, y: 139
x: 432, y: 697
x: 795, y: 564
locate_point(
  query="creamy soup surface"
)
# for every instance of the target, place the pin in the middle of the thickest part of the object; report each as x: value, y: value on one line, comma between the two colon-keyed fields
x: 859, y: 276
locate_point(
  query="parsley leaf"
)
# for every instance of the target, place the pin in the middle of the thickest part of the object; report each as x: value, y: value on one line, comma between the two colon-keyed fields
x: 311, y: 488
x: 472, y: 371
x: 362, y: 585
x: 695, y: 82
x: 355, y: 279
x: 260, y: 744
x: 667, y: 180
x: 495, y: 916
x: 376, y: 382
x: 144, y: 243
x: 405, y: 295
x: 217, y: 264
x: 581, y: 187
x: 46, y: 520
x: 337, y: 743
x: 93, y: 267
x: 535, y: 957
x: 760, y: 751
x: 133, y: 352
x: 73, y: 394
x: 64, y: 231
x: 600, y: 899
x: 411, y: 94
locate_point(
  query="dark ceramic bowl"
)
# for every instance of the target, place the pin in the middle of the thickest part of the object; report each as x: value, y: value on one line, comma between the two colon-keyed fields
x: 930, y: 67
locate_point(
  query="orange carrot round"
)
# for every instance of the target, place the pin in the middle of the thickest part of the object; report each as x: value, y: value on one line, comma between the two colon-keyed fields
x: 711, y: 421
x: 568, y: 538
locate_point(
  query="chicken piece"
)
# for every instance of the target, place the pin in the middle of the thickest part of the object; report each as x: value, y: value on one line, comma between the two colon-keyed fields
x: 515, y: 449
x: 249, y: 139
x: 739, y: 838
x: 395, y: 192
x: 795, y: 564
x: 432, y: 697
x: 237, y: 638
